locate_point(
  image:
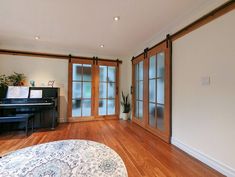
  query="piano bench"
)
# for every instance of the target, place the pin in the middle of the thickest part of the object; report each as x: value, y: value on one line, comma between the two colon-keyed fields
x: 19, y: 118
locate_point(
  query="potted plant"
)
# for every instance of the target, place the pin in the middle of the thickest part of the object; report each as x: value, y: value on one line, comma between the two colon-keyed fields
x: 4, y: 82
x: 17, y: 79
x: 126, y: 106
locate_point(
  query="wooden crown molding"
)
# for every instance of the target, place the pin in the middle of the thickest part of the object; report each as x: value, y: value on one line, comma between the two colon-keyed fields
x: 49, y: 55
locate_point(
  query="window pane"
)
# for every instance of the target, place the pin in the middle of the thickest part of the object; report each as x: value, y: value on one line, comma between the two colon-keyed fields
x: 102, y: 90
x: 141, y: 70
x: 136, y: 109
x: 103, y: 73
x: 152, y: 119
x: 152, y: 67
x: 77, y: 89
x: 86, y: 90
x: 86, y: 107
x: 160, y: 64
x: 160, y: 117
x: 86, y: 72
x: 111, y: 74
x: 102, y: 107
x: 140, y: 109
x: 160, y: 91
x: 152, y: 90
x: 136, y: 90
x: 136, y: 72
x: 111, y: 107
x: 76, y: 108
x: 77, y: 72
x: 140, y: 90
x: 111, y: 90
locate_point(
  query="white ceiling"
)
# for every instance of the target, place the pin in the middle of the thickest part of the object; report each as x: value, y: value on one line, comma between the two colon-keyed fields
x: 81, y: 26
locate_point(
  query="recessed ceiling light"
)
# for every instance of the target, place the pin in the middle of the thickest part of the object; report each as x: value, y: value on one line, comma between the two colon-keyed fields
x: 102, y: 46
x: 116, y: 18
x: 37, y: 37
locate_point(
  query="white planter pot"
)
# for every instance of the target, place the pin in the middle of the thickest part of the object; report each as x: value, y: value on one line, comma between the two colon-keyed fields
x: 125, y: 116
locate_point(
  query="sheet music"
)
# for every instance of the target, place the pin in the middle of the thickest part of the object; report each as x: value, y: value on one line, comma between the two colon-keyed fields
x: 17, y: 92
x: 35, y: 93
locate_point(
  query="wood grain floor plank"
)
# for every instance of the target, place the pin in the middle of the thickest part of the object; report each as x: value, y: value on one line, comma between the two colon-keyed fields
x: 144, y: 154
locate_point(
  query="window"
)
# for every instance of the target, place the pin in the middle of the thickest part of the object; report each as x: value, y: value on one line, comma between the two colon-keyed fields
x: 107, y: 90
x: 81, y: 90
x: 156, y: 90
x: 139, y: 83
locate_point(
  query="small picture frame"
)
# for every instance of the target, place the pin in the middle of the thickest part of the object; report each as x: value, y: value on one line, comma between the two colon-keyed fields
x: 51, y: 83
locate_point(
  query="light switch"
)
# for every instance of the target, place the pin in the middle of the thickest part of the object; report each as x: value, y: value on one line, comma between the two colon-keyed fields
x: 205, y: 80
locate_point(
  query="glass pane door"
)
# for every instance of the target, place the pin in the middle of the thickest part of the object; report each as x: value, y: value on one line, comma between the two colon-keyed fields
x: 81, y: 90
x: 139, y: 90
x: 107, y: 90
x: 156, y: 91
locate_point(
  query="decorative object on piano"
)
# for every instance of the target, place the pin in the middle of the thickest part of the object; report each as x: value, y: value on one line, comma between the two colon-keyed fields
x: 126, y: 106
x: 32, y: 83
x: 51, y: 83
x: 17, y: 79
x: 64, y: 158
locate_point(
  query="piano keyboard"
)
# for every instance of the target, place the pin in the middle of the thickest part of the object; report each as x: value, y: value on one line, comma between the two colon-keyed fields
x: 26, y: 104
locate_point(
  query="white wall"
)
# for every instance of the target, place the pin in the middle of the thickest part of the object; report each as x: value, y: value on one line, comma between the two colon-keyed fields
x: 41, y: 70
x: 204, y: 115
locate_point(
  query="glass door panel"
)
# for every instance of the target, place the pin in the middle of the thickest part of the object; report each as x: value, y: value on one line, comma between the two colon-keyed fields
x: 139, y: 90
x: 107, y: 90
x: 156, y: 91
x: 81, y: 90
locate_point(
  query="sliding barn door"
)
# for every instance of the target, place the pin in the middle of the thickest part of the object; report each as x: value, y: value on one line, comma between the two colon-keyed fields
x: 138, y: 82
x: 158, y: 118
x: 93, y: 90
x: 155, y: 92
x: 82, y: 73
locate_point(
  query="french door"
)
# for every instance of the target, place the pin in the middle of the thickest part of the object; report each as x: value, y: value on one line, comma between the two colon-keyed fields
x: 93, y: 90
x: 151, y: 98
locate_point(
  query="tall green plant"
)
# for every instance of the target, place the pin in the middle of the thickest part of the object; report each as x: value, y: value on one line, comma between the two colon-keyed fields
x: 125, y: 103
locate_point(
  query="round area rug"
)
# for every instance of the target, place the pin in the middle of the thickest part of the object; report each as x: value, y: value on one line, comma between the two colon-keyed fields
x: 69, y: 158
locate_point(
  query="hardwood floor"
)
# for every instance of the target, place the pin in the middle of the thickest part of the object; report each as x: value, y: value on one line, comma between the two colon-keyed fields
x: 143, y: 153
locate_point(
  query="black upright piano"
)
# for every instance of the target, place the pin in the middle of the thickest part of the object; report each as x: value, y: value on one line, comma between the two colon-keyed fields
x: 45, y: 109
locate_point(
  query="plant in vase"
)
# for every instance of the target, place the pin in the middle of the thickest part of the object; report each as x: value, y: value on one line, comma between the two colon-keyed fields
x: 17, y: 79
x: 126, y: 106
x: 4, y: 82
